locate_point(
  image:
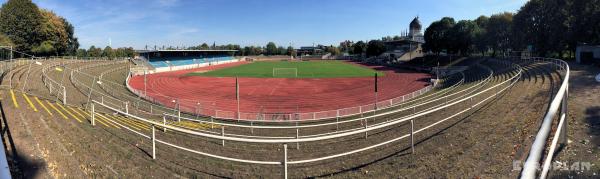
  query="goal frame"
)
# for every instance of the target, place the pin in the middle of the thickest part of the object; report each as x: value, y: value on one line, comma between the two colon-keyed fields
x: 295, y: 71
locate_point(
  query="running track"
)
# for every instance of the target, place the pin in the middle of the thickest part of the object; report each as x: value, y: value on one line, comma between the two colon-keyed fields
x: 274, y: 95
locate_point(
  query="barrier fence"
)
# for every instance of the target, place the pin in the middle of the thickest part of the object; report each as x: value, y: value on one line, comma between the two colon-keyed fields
x: 463, y: 104
x: 205, y: 108
x: 466, y: 102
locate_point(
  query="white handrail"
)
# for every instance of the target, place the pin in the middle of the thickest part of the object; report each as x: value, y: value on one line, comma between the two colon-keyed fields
x: 539, y: 144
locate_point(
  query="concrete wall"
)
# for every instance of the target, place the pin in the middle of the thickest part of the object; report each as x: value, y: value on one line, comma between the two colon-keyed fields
x: 587, y: 48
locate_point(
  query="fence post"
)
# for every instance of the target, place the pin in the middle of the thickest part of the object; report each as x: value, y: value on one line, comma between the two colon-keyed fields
x: 223, y: 134
x: 285, y: 163
x: 102, y: 99
x: 153, y: 143
x: 564, y: 111
x: 251, y: 127
x: 297, y: 143
x: 366, y: 126
x: 64, y: 95
x: 412, y: 138
x: 151, y: 109
x: 360, y: 110
x: 93, y: 115
x: 164, y: 123
x: 337, y: 120
x: 126, y: 107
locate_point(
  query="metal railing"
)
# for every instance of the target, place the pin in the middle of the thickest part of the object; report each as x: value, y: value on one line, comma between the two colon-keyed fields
x: 208, y: 108
x: 531, y: 165
x: 464, y: 105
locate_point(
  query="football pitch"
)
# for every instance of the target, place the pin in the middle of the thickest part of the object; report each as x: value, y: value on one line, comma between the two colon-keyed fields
x: 289, y: 69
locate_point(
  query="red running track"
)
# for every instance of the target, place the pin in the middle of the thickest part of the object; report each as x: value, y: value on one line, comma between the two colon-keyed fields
x: 275, y: 95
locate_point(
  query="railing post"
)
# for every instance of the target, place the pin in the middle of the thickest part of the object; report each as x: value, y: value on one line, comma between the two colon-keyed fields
x: 297, y: 143
x: 223, y: 134
x: 164, y: 123
x: 564, y: 111
x: 366, y: 126
x: 360, y: 110
x: 285, y: 163
x: 178, y: 113
x: 102, y: 99
x: 337, y: 120
x: 412, y: 138
x: 153, y: 143
x: 151, y: 109
x: 93, y: 115
x: 251, y: 127
x: 64, y: 96
x: 126, y: 107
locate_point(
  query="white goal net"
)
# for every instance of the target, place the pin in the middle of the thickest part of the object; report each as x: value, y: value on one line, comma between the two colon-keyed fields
x: 285, y: 72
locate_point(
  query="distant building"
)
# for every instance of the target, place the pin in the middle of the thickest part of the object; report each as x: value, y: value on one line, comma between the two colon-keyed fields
x: 310, y: 51
x: 408, y: 46
x: 588, y: 54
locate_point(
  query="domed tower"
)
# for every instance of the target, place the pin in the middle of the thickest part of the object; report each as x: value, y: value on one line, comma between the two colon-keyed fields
x: 415, y: 28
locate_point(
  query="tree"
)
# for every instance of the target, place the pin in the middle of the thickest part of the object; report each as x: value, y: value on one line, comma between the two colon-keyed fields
x: 94, y: 52
x: 585, y: 22
x: 5, y: 41
x: 21, y: 21
x: 53, y: 29
x: 463, y: 35
x: 204, y: 46
x: 333, y: 50
x: 81, y: 53
x: 359, y: 48
x: 480, y: 35
x: 346, y: 46
x: 72, y: 41
x: 437, y: 35
x: 375, y: 48
x: 108, y: 52
x: 271, y: 48
x: 46, y: 48
x: 499, y: 31
x: 281, y: 50
x: 291, y: 51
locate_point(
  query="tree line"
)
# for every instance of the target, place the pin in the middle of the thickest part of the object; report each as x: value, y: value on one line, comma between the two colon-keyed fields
x: 550, y: 28
x: 34, y: 30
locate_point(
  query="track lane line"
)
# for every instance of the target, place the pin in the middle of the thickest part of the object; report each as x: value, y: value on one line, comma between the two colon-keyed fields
x: 14, y: 99
x: 29, y: 102
x: 68, y: 112
x: 56, y: 109
x: 42, y: 104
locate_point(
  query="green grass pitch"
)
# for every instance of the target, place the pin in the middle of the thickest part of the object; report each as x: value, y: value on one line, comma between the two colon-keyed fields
x: 304, y: 69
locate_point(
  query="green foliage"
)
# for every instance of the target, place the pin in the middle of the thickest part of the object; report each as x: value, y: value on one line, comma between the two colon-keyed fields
x: 271, y: 48
x: 46, y: 48
x: 81, y: 53
x: 463, y: 35
x: 94, y: 52
x: 108, y: 52
x: 21, y: 21
x: 333, y: 50
x: 375, y: 48
x: 28, y: 27
x: 437, y: 35
x: 305, y: 69
x: 551, y: 27
x: 5, y: 41
x: 359, y: 48
x: 291, y: 51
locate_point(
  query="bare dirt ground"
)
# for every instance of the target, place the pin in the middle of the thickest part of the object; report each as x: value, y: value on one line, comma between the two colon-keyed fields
x: 482, y: 144
x: 581, y: 157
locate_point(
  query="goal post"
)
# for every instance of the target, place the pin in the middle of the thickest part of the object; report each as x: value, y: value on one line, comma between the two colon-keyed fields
x: 285, y: 72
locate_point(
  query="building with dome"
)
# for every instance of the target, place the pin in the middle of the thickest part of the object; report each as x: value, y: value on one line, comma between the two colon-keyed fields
x: 408, y: 46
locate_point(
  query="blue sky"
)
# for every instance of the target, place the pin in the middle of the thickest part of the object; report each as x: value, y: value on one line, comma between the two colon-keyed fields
x: 138, y: 23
